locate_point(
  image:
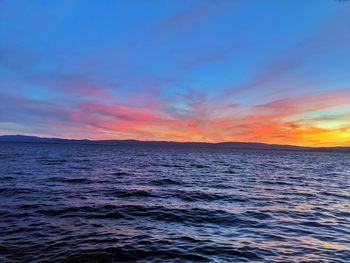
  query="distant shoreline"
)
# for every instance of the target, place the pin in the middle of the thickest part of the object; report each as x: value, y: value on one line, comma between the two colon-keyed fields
x: 221, y: 145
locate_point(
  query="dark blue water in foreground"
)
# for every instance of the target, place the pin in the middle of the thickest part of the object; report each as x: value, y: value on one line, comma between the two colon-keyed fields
x: 85, y: 203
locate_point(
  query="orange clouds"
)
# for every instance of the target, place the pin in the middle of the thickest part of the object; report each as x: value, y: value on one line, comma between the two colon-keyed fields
x: 278, y: 122
x: 281, y: 121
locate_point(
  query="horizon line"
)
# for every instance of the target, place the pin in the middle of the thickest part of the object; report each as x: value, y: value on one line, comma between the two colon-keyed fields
x: 180, y: 142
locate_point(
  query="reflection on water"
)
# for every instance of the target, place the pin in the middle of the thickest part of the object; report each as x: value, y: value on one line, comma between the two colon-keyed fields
x: 90, y: 203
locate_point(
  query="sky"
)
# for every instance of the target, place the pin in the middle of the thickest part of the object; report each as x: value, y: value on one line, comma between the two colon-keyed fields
x: 197, y: 70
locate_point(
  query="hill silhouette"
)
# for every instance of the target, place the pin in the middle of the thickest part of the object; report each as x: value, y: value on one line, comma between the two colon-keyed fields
x: 232, y: 145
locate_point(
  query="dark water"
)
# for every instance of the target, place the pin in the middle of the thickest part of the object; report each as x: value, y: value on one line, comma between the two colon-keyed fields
x: 87, y: 203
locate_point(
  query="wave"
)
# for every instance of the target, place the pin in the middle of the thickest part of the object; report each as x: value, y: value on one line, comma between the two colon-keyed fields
x: 76, y: 203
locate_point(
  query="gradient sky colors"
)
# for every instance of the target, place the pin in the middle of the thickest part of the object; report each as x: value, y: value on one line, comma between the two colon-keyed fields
x: 257, y: 71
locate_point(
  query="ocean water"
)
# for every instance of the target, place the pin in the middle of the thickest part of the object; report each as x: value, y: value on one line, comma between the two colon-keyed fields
x: 90, y: 203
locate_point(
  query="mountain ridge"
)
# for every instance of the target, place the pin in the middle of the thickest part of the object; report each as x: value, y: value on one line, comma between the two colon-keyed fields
x: 234, y: 145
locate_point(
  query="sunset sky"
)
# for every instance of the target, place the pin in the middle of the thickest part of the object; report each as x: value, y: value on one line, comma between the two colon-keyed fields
x: 254, y: 71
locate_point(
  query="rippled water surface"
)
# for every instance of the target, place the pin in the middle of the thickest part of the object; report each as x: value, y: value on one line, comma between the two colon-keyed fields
x: 88, y: 203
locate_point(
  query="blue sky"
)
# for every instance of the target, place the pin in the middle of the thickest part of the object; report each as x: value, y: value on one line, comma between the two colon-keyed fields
x: 186, y: 63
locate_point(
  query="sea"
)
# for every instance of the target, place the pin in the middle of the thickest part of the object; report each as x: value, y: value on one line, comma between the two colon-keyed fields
x: 109, y: 203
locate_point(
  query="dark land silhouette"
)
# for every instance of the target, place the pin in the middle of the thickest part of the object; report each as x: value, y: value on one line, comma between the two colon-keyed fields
x: 233, y: 145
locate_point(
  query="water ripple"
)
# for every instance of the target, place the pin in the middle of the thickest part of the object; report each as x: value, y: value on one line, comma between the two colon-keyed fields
x: 86, y: 203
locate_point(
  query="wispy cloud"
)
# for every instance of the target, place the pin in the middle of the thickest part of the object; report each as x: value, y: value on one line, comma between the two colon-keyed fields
x: 332, y: 36
x: 196, y: 14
